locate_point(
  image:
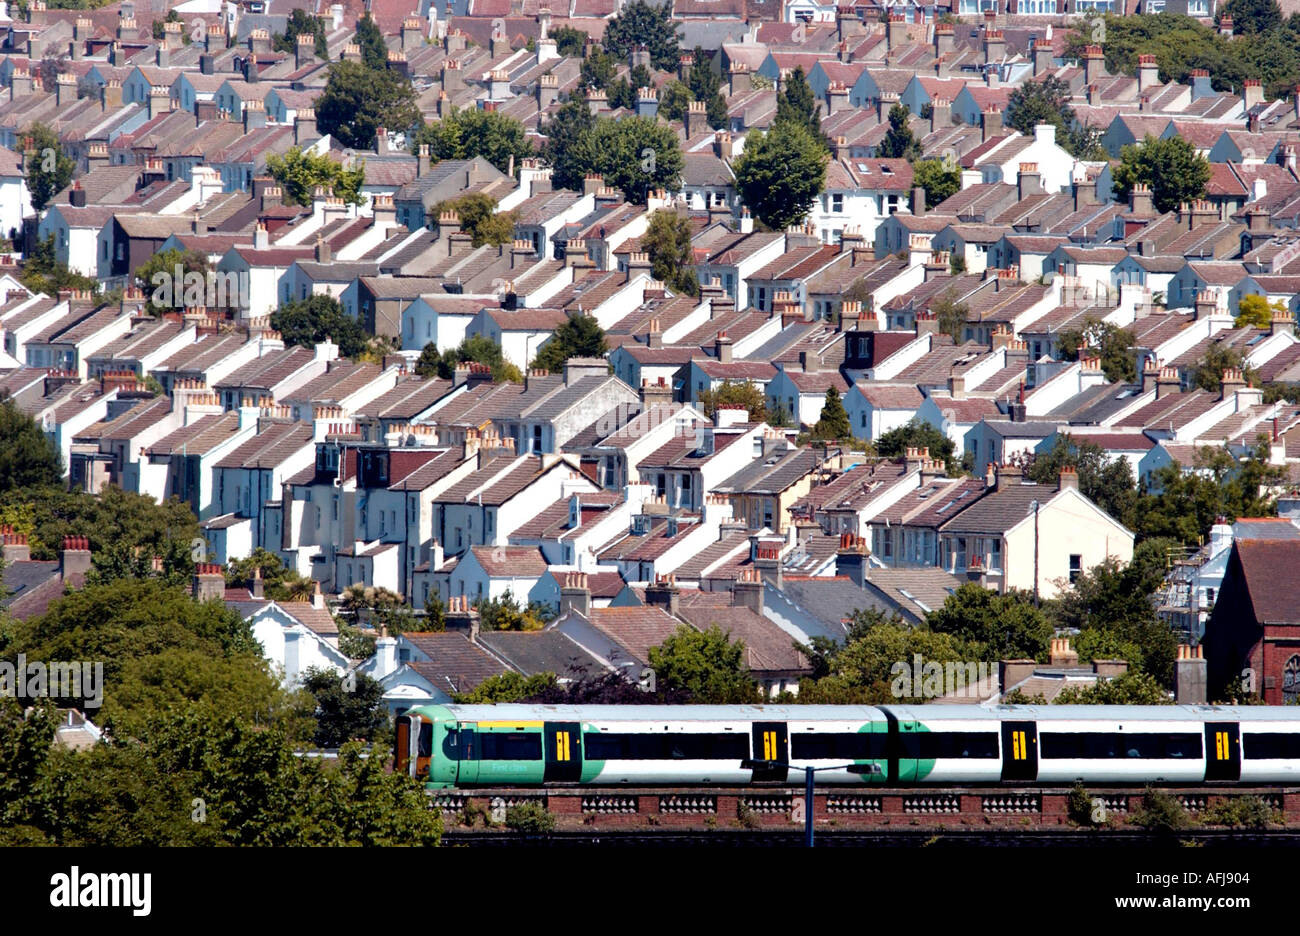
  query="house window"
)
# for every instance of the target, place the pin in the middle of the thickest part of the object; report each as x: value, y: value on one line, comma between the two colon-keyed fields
x: 1076, y: 567
x: 1291, y: 681
x: 661, y: 485
x: 995, y: 555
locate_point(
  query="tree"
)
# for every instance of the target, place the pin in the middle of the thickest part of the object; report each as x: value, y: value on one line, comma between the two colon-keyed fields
x: 834, y: 421
x: 597, y: 71
x: 477, y: 348
x: 1126, y: 689
x: 28, y: 458
x: 564, y: 136
x: 1183, y: 504
x: 707, y: 665
x: 507, y: 687
x: 480, y: 219
x: 49, y: 168
x: 358, y: 100
x: 634, y: 154
x: 1007, y: 626
x: 735, y: 393
x: 1172, y: 168
x: 899, y: 141
x: 941, y: 179
x: 378, y: 608
x: 580, y: 336
x: 279, y: 583
x: 469, y: 132
x: 158, y: 276
x: 507, y: 614
x: 1107, y: 482
x: 706, y: 86
x: 347, y: 708
x: 667, y: 240
x: 1253, y: 17
x: 299, y: 173
x: 1256, y: 311
x: 1207, y: 374
x: 44, y: 273
x: 917, y: 434
x: 674, y: 98
x: 1114, y: 344
x: 301, y: 22
x: 570, y: 42
x: 781, y: 174
x: 374, y: 52
x: 1041, y: 101
x: 642, y: 25
x: 796, y: 104
x: 309, y: 322
x: 951, y: 315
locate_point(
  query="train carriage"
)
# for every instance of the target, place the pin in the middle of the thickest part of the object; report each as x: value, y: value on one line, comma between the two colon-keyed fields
x: 534, y: 745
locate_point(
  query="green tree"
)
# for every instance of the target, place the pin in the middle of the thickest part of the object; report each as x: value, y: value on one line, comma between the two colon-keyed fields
x: 308, y: 322
x: 674, y: 97
x: 507, y: 687
x: 1256, y: 311
x: 1114, y: 344
x: 1172, y: 168
x: 781, y: 174
x: 299, y: 173
x: 469, y: 132
x: 951, y: 315
x: 899, y: 141
x: 633, y: 154
x: 374, y: 52
x: 507, y: 614
x: 1183, y: 504
x: 378, y: 608
x: 279, y: 583
x: 707, y: 665
x: 1253, y: 17
x: 480, y: 219
x: 347, y: 708
x: 1207, y: 374
x: 1041, y: 101
x: 564, y: 135
x: 1007, y: 625
x: 1126, y: 689
x: 706, y: 86
x: 477, y: 348
x: 1107, y: 482
x: 735, y: 393
x: 157, y: 276
x: 917, y: 433
x: 598, y: 70
x: 834, y: 420
x: 28, y: 458
x: 642, y: 25
x: 301, y: 22
x: 49, y: 168
x: 667, y: 240
x: 570, y: 42
x: 796, y: 104
x: 580, y: 336
x: 941, y: 179
x: 358, y: 100
x: 44, y: 273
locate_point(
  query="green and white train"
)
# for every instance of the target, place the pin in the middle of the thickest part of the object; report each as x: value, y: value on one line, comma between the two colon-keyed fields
x: 533, y: 745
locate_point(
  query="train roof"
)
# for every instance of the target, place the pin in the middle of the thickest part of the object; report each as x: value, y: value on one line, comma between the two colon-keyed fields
x: 671, y: 713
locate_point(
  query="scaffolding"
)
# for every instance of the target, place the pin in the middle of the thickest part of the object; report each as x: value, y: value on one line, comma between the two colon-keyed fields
x: 1179, y: 601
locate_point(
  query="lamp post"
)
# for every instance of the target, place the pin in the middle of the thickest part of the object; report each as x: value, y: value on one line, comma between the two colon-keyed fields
x: 809, y: 774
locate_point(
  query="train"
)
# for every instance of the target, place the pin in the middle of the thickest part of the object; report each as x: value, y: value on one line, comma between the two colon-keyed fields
x: 506, y: 745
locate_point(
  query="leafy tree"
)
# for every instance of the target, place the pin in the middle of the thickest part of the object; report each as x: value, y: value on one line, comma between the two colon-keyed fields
x: 279, y: 583
x: 1007, y: 625
x: 374, y: 52
x: 580, y: 336
x: 634, y: 154
x: 1107, y: 482
x: 707, y: 665
x: 300, y: 172
x: 1172, y: 168
x: 951, y: 315
x: 1115, y: 344
x: 834, y: 420
x: 469, y: 132
x: 28, y: 458
x: 157, y: 277
x: 572, y: 124
x: 1245, y: 812
x: 347, y: 709
x: 674, y: 97
x: 941, y: 179
x: 507, y: 614
x: 570, y: 42
x: 1256, y: 311
x: 44, y: 273
x: 1183, y: 505
x: 796, y: 104
x: 49, y: 168
x: 1126, y: 689
x: 530, y: 817
x: 598, y: 71
x: 917, y: 433
x: 477, y: 348
x: 706, y: 86
x: 480, y: 219
x: 642, y: 25
x: 301, y: 22
x: 1160, y: 812
x: 1253, y: 17
x: 435, y: 613
x: 781, y: 174
x: 899, y: 141
x: 1207, y: 374
x: 358, y: 100
x: 377, y: 607
x: 736, y: 393
x: 507, y: 687
x: 668, y: 242
x: 310, y: 321
x: 1045, y: 101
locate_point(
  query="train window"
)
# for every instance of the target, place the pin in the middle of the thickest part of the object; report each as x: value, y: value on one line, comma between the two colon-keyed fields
x: 838, y: 746
x: 425, y: 748
x: 514, y: 745
x: 667, y: 746
x: 1270, y: 746
x: 936, y: 744
x: 1102, y: 746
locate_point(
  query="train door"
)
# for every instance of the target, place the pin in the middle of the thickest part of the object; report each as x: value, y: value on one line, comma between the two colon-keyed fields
x: 771, y: 743
x: 1222, y: 751
x: 1019, y: 750
x: 403, y: 756
x: 468, y: 753
x: 563, y: 752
